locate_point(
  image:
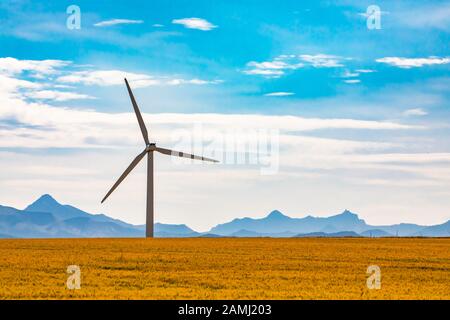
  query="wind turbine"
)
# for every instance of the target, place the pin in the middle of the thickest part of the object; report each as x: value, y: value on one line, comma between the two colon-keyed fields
x: 149, y: 150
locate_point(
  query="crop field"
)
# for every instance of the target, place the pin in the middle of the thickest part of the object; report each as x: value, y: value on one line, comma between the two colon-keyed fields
x: 225, y: 268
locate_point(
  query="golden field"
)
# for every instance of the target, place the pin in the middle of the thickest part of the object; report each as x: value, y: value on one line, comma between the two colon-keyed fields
x: 224, y: 268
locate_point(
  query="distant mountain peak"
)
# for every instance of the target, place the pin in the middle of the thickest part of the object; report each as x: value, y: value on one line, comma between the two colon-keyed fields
x: 347, y: 214
x: 46, y: 203
x: 275, y: 214
x: 47, y: 199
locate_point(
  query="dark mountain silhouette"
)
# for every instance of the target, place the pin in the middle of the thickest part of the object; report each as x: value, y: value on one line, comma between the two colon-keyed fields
x: 46, y: 203
x: 173, y: 229
x: 276, y: 222
x: 441, y: 230
x: 47, y: 218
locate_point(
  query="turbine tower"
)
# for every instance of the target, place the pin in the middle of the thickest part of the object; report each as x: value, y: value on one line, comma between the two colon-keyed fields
x: 149, y: 150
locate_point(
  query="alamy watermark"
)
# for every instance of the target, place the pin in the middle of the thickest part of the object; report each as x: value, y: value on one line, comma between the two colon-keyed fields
x: 374, y: 279
x: 373, y: 16
x: 74, y: 278
x: 73, y: 21
x: 250, y: 147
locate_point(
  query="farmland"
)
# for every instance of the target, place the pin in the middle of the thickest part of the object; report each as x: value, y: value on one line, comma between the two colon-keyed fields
x: 225, y: 268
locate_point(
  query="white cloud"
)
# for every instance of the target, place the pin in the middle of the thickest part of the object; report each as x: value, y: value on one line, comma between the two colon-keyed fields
x: 65, y: 77
x: 12, y: 66
x: 116, y: 77
x: 176, y: 82
x: 56, y: 95
x: 408, y: 63
x: 107, y: 78
x: 279, y: 94
x: 322, y: 60
x: 265, y: 72
x: 195, y: 23
x: 62, y: 86
x: 365, y: 70
x: 404, y: 158
x: 84, y: 128
x: 157, y: 25
x: 348, y: 74
x: 276, y: 65
x: 9, y: 86
x: 275, y: 68
x: 114, y: 22
x: 352, y: 81
x: 282, y: 63
x: 415, y: 112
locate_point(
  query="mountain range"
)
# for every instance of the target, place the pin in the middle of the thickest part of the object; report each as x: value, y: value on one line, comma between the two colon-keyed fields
x: 47, y: 218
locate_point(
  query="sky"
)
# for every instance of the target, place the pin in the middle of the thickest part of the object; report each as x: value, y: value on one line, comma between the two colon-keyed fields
x: 312, y: 107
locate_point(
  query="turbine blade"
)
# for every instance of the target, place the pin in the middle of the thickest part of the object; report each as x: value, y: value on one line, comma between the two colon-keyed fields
x: 138, y: 114
x: 183, y: 154
x: 125, y: 173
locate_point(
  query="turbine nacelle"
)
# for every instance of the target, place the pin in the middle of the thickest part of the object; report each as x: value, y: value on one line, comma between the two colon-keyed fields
x: 150, y: 147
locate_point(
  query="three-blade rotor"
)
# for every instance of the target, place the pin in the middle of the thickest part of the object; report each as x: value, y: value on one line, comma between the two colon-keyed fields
x: 150, y: 147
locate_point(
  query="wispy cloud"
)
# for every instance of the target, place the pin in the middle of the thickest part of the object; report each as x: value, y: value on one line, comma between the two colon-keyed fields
x: 88, y: 128
x: 107, y: 78
x: 415, y: 112
x: 323, y: 60
x: 115, y: 77
x: 282, y: 63
x: 37, y: 68
x: 365, y: 70
x: 349, y: 74
x: 352, y: 81
x: 63, y: 70
x: 113, y: 22
x: 56, y: 95
x: 194, y: 81
x: 279, y: 94
x: 408, y: 63
x: 270, y: 73
x: 195, y: 23
x: 274, y: 68
x: 55, y: 78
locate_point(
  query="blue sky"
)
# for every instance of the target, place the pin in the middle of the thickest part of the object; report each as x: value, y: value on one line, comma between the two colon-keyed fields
x: 365, y: 111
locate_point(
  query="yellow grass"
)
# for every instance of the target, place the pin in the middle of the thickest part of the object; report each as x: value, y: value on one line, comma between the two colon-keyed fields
x: 225, y: 268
